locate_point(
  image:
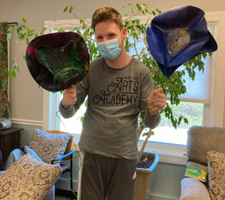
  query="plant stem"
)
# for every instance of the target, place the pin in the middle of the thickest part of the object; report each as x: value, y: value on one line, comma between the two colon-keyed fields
x: 88, y: 37
x: 140, y: 129
x: 135, y: 47
x: 64, y: 24
x: 131, y: 16
x: 82, y: 18
x: 143, y: 146
x: 142, y: 51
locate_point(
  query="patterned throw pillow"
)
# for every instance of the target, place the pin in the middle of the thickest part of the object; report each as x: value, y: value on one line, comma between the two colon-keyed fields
x: 28, y: 179
x: 49, y: 146
x: 216, y: 169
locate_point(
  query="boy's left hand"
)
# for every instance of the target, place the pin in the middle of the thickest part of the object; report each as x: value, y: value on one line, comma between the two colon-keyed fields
x: 157, y: 99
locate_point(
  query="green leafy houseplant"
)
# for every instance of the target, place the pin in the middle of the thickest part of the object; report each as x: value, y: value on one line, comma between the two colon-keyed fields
x: 136, y: 46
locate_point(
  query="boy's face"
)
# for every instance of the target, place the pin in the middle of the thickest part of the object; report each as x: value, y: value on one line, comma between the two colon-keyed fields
x: 109, y: 30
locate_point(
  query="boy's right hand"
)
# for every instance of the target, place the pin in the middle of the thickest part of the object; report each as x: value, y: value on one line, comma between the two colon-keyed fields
x: 69, y: 96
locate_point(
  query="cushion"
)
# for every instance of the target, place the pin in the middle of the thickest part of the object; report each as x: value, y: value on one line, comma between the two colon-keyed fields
x: 202, y: 139
x: 69, y: 145
x: 192, y: 189
x: 28, y: 179
x: 216, y: 170
x: 49, y: 146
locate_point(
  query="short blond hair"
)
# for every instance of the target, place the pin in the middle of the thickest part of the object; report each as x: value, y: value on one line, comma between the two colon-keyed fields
x: 107, y: 13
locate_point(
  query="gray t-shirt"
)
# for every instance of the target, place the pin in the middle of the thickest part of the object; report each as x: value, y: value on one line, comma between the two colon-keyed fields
x: 115, y: 98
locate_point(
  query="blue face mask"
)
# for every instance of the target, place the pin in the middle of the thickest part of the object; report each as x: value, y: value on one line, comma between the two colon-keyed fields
x: 109, y: 49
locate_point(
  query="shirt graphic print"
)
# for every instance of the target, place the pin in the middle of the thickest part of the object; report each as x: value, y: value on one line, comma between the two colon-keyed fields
x: 123, y: 91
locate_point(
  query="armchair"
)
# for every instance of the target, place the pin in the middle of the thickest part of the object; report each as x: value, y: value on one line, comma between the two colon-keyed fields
x: 51, y: 147
x: 201, y: 140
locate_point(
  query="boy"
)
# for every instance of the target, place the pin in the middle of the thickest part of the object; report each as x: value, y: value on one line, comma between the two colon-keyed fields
x: 118, y: 88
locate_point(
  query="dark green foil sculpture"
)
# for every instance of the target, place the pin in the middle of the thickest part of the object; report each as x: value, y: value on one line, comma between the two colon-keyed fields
x: 57, y: 60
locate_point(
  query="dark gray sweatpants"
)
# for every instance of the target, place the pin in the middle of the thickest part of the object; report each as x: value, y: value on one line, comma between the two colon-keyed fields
x: 101, y: 176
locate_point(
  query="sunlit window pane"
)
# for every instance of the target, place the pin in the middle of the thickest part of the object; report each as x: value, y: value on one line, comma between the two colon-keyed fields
x: 166, y: 133
x: 73, y: 124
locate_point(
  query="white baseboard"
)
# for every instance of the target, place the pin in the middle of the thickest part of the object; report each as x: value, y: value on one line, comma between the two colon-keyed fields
x: 26, y: 122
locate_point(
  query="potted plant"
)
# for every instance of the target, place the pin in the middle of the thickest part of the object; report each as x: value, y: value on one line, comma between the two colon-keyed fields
x: 173, y: 86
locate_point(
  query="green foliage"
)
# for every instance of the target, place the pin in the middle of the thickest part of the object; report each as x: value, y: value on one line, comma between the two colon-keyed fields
x: 65, y: 9
x: 23, y: 32
x: 24, y: 20
x: 70, y: 9
x: 10, y: 30
x: 61, y: 30
x: 146, y: 133
x: 193, y: 113
x: 82, y: 119
x: 12, y: 72
x: 141, y: 8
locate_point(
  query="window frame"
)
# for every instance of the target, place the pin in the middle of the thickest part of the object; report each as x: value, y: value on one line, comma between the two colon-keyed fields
x: 213, y: 115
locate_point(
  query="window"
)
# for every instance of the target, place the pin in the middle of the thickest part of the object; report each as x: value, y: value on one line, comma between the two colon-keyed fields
x: 73, y: 124
x: 205, y: 110
x: 191, y: 106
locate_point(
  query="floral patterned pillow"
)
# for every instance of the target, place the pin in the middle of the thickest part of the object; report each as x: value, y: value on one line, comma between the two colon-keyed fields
x: 216, y: 169
x: 28, y: 179
x: 47, y: 145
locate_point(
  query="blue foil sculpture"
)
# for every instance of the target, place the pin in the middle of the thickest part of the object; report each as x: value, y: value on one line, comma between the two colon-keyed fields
x: 57, y: 60
x: 178, y: 35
